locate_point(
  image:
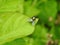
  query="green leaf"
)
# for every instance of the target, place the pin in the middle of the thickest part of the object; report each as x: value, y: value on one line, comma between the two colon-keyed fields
x: 58, y: 6
x: 14, y: 25
x: 57, y: 32
x: 48, y: 9
x: 11, y: 5
x: 30, y: 8
x: 39, y: 42
x: 16, y: 42
x: 40, y: 32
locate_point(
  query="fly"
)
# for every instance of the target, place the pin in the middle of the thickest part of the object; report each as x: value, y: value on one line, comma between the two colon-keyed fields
x: 32, y: 20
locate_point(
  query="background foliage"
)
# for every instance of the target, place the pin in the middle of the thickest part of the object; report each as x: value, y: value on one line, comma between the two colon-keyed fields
x: 16, y: 28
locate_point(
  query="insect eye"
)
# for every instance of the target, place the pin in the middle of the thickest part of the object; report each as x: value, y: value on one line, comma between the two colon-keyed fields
x: 33, y: 17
